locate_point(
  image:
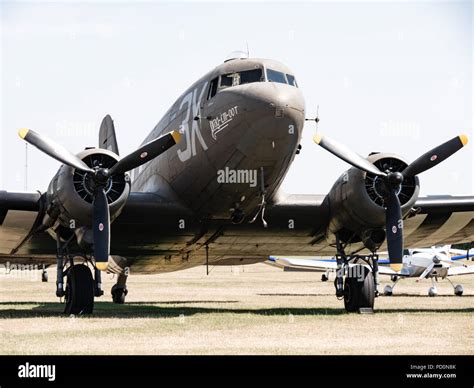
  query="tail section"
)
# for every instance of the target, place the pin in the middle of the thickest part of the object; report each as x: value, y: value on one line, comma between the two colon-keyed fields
x: 107, y: 137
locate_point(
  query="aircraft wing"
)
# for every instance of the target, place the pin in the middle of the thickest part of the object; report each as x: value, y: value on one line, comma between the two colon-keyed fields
x: 302, y: 263
x: 159, y: 233
x: 19, y: 217
x: 460, y: 270
x: 320, y: 265
x: 383, y: 270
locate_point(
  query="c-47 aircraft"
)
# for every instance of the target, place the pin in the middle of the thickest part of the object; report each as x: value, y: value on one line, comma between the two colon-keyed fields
x: 204, y: 188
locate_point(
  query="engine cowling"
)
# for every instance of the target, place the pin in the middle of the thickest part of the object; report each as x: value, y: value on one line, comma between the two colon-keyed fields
x: 357, y: 202
x: 70, y: 193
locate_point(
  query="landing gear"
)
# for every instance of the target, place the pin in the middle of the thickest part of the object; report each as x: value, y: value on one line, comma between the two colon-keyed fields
x: 458, y: 289
x: 356, y: 283
x: 119, y: 290
x: 81, y: 286
x: 359, y: 291
x: 388, y: 290
x: 44, y: 275
x: 98, y: 283
x: 324, y: 277
x: 432, y: 291
x: 79, y: 291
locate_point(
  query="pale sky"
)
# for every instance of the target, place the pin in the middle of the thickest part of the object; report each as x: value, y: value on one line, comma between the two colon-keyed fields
x: 387, y: 77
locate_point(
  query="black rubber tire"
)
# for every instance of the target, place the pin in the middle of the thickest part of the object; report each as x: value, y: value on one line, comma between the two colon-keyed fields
x: 359, y: 294
x: 119, y: 294
x: 44, y: 277
x: 79, y: 291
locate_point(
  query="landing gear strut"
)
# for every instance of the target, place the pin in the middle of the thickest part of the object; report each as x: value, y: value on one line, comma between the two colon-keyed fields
x: 356, y: 279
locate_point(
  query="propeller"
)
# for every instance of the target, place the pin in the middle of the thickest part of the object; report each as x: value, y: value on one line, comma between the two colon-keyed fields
x: 392, y: 181
x: 100, y: 177
x: 426, y: 272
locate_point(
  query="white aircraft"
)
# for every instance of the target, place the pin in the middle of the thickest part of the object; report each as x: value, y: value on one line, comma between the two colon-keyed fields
x: 432, y: 263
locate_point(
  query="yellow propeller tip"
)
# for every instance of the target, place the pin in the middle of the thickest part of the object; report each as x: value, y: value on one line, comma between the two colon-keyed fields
x: 176, y: 136
x: 463, y: 139
x: 317, y: 138
x: 396, y: 267
x: 23, y: 132
x: 101, y: 266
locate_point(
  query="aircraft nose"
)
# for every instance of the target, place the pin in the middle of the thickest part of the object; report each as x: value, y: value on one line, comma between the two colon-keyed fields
x: 279, y: 107
x: 277, y: 101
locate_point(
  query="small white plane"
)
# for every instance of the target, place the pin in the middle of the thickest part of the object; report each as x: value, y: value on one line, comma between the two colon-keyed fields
x: 433, y: 263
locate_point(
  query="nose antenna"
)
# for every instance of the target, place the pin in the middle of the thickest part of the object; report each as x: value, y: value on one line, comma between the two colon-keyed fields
x: 316, y: 119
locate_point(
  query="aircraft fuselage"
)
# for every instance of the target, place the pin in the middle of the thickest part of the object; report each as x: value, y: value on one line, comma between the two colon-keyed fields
x: 228, y: 139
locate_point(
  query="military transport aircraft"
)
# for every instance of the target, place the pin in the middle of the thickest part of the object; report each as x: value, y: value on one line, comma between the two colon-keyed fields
x: 214, y: 196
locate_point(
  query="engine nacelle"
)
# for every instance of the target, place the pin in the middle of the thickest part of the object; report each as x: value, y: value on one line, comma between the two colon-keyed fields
x: 357, y: 202
x: 70, y: 193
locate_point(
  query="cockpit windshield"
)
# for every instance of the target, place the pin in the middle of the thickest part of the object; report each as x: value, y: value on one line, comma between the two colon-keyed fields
x: 278, y: 76
x: 249, y: 76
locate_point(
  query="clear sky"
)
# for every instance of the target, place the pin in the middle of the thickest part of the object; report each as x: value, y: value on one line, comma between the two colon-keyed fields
x: 387, y: 77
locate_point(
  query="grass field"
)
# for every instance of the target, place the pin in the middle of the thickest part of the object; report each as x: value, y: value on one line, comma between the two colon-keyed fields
x: 235, y: 310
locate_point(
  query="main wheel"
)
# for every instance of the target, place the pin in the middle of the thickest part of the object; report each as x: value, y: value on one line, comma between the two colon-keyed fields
x: 458, y: 290
x: 432, y: 291
x: 79, y: 291
x: 388, y: 290
x: 359, y: 291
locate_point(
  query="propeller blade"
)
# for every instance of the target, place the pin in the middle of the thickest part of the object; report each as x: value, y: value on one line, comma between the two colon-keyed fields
x: 146, y: 153
x: 435, y: 156
x: 53, y: 149
x: 101, y: 229
x: 346, y: 154
x: 394, y: 225
x: 426, y: 272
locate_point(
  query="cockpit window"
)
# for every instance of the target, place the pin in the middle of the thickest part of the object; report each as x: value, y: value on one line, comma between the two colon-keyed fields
x: 212, y: 88
x: 227, y: 80
x: 276, y: 76
x: 249, y: 76
x: 291, y: 80
x: 241, y: 78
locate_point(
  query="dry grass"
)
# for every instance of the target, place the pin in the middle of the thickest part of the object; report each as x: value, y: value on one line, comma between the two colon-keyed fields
x: 252, y: 310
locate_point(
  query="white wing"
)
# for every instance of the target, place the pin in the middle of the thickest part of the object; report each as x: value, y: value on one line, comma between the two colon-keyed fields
x: 461, y: 270
x: 289, y: 262
x: 321, y: 265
